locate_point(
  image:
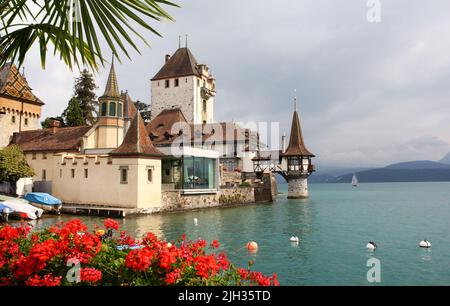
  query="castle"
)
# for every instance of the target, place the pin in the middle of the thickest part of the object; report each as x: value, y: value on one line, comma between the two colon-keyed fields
x: 179, y: 160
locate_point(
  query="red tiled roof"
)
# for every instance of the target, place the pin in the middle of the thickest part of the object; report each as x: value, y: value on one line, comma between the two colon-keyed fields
x: 14, y: 84
x: 296, y: 143
x: 160, y: 129
x: 63, y: 140
x: 136, y: 141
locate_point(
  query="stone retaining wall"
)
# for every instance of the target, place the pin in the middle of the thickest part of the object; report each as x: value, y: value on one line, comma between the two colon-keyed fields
x: 174, y: 200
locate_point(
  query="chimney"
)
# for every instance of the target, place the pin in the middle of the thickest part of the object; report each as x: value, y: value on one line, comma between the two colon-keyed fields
x: 167, y: 57
x: 283, y: 143
x: 55, y: 124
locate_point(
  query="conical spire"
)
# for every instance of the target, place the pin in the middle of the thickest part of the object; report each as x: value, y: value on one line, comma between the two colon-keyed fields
x: 136, y: 141
x: 296, y: 145
x: 112, y: 86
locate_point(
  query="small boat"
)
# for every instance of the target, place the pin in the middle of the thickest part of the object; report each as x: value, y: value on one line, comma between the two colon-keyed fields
x: 23, y: 210
x: 5, y: 211
x: 354, y: 181
x: 44, y: 201
x: 371, y: 246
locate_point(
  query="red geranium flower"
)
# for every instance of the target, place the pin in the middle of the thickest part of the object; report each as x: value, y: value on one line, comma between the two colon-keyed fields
x: 111, y: 224
x: 48, y: 280
x: 90, y: 275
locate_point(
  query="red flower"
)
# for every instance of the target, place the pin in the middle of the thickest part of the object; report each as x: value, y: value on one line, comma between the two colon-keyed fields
x: 206, y: 266
x: 111, y: 224
x: 90, y: 275
x: 215, y: 244
x: 243, y: 273
x: 48, y: 280
x: 139, y: 260
x: 173, y: 277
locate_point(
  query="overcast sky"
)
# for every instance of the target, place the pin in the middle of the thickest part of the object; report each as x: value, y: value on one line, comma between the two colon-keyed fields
x: 370, y: 94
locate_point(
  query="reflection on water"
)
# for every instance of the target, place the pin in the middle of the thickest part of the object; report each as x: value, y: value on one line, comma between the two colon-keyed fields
x: 426, y: 255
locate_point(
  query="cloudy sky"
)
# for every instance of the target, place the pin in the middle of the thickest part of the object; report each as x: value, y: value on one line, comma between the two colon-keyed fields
x: 369, y: 94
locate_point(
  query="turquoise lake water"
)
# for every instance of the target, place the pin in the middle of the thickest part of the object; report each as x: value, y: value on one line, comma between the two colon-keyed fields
x: 334, y: 226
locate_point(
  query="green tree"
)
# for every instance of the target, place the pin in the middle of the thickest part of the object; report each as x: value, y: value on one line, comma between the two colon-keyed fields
x: 84, y: 92
x: 73, y: 114
x: 144, y: 110
x: 13, y: 165
x: 75, y: 28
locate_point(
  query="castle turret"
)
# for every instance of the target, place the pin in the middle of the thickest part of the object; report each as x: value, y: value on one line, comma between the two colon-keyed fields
x: 297, y: 159
x: 111, y: 114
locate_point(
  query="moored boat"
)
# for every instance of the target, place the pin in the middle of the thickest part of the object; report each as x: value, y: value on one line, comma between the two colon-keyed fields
x: 44, y: 201
x: 22, y: 210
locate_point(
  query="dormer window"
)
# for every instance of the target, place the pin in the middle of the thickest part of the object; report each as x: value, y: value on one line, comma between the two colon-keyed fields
x: 167, y: 83
x: 167, y: 135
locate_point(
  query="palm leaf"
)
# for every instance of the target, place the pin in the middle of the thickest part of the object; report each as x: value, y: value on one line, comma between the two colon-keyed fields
x: 76, y: 31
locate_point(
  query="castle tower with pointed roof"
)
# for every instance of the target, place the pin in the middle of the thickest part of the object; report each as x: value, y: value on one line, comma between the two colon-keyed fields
x: 111, y: 123
x: 297, y: 159
x: 185, y: 84
x: 20, y: 109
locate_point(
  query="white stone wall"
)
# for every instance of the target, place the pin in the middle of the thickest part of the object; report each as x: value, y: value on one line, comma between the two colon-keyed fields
x: 187, y: 96
x: 173, y: 97
x: 298, y: 188
x: 8, y: 127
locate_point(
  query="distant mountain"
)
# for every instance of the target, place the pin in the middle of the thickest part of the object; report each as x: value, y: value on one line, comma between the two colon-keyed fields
x: 418, y: 164
x: 446, y: 159
x: 414, y: 171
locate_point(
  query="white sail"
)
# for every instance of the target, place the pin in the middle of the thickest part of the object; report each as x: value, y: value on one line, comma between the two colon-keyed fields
x: 354, y: 180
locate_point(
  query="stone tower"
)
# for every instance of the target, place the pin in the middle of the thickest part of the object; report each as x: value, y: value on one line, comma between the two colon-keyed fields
x: 184, y: 83
x: 297, y: 161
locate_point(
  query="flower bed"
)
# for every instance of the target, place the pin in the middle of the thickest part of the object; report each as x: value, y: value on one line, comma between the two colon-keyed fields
x: 67, y: 254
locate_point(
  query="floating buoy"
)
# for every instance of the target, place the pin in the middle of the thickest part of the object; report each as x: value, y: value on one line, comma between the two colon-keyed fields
x: 371, y: 245
x: 425, y: 244
x: 295, y: 239
x: 252, y: 246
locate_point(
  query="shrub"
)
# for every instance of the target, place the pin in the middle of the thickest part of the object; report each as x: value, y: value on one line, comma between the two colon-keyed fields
x: 108, y: 256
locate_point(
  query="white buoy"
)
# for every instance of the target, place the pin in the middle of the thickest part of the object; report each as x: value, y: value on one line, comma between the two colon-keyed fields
x: 195, y: 221
x: 371, y: 246
x: 295, y: 239
x: 425, y: 244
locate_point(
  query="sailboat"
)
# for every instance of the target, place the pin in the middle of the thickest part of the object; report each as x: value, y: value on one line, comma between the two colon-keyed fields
x: 354, y: 181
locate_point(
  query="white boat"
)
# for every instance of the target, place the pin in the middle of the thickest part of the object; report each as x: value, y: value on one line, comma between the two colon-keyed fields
x: 354, y: 181
x: 20, y: 208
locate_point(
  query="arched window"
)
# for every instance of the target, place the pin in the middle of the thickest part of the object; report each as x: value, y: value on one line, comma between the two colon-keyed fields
x: 112, y: 108
x: 103, y: 113
x: 120, y: 111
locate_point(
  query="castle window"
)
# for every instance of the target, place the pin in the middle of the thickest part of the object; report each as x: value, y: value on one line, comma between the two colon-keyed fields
x: 44, y: 174
x: 103, y: 113
x: 158, y: 84
x: 120, y: 112
x: 198, y: 83
x: 13, y: 119
x: 167, y: 83
x: 123, y: 175
x: 177, y: 82
x: 60, y: 173
x: 150, y: 175
x: 44, y: 155
x: 33, y: 156
x: 72, y: 173
x: 112, y: 108
x: 204, y: 106
x: 86, y: 173
x: 26, y: 121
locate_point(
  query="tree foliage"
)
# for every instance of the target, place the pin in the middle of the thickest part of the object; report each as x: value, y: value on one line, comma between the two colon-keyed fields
x: 76, y: 28
x: 13, y: 165
x: 144, y: 110
x: 73, y: 114
x: 84, y: 92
